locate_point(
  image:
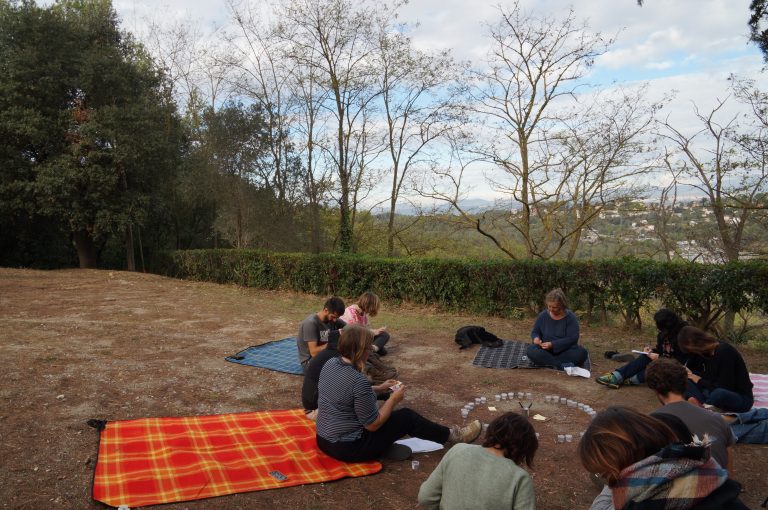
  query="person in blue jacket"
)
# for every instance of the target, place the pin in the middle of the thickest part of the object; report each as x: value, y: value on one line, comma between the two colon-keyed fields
x: 555, y: 335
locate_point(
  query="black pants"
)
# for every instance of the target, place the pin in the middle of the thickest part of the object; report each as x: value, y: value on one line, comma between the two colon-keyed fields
x: 372, y: 445
x: 381, y: 339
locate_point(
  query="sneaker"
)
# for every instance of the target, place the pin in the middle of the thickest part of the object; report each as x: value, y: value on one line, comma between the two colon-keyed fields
x: 465, y: 434
x: 609, y: 380
x: 629, y: 382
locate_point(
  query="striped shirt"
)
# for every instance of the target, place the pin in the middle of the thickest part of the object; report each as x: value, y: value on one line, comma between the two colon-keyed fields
x: 346, y: 402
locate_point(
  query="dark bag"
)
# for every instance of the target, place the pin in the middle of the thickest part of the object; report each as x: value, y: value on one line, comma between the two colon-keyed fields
x: 469, y: 335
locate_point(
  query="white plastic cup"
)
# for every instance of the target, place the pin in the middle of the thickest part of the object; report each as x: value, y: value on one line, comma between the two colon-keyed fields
x: 560, y: 438
x: 415, y: 465
x: 569, y: 438
x: 503, y: 396
x: 497, y: 398
x: 563, y: 400
x: 478, y: 400
x: 520, y: 395
x: 464, y: 413
x: 528, y: 395
x: 571, y: 403
x: 538, y: 435
x: 483, y: 400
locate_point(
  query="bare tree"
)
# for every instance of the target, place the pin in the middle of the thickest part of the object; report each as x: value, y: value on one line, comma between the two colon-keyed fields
x: 420, y: 104
x: 726, y: 160
x: 664, y: 210
x: 562, y: 157
x: 335, y: 37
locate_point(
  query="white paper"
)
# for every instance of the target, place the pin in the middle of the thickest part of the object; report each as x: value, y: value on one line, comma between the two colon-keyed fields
x: 639, y: 352
x: 578, y: 371
x: 420, y: 445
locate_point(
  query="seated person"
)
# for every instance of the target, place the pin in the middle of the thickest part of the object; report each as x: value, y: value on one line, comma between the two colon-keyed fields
x: 555, y: 335
x: 350, y: 426
x: 669, y: 379
x: 492, y: 470
x: 368, y: 305
x: 669, y: 325
x: 644, y: 466
x: 724, y: 382
x: 312, y: 376
x: 314, y: 331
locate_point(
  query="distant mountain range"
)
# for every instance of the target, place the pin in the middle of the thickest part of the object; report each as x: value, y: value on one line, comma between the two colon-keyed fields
x: 685, y: 193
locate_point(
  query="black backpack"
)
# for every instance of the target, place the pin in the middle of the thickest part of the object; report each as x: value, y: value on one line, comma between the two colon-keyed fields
x: 468, y: 335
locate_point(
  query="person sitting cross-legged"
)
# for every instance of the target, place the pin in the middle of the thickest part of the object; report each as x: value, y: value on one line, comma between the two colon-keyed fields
x: 318, y: 328
x: 555, y: 335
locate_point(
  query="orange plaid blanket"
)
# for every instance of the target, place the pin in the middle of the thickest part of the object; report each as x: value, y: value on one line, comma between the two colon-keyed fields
x: 162, y: 460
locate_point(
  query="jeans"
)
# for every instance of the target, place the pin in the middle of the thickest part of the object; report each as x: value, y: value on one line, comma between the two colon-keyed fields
x: 575, y: 354
x: 635, y: 367
x: 751, y: 427
x: 371, y: 445
x: 721, y: 398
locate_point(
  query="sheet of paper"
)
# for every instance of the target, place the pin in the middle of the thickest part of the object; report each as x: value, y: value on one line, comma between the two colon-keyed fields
x: 539, y: 417
x: 420, y: 445
x: 491, y: 408
x: 639, y: 352
x: 578, y: 372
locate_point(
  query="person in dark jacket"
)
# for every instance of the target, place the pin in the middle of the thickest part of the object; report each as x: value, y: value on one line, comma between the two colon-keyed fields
x: 646, y: 468
x: 555, y: 335
x: 669, y: 325
x: 724, y: 380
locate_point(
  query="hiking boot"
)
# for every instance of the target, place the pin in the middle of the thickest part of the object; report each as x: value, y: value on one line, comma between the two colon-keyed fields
x: 465, y: 434
x: 609, y: 380
x: 381, y: 351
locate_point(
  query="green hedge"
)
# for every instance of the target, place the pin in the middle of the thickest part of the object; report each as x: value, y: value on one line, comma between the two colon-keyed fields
x: 700, y: 292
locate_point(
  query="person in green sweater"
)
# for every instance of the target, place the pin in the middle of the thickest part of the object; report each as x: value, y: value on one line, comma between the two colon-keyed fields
x: 486, y: 476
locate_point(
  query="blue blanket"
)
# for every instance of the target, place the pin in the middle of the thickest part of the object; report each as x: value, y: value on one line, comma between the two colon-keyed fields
x: 279, y: 355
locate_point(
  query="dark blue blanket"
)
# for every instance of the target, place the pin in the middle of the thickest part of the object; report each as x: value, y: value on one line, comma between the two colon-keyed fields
x: 279, y: 355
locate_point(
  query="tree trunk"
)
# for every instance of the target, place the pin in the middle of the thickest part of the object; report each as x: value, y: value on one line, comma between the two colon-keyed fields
x: 86, y: 250
x: 130, y: 260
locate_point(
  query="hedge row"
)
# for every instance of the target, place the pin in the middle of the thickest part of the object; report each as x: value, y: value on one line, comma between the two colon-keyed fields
x: 700, y: 292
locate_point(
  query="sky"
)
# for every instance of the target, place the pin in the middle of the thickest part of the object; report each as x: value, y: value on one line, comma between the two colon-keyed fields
x: 685, y: 47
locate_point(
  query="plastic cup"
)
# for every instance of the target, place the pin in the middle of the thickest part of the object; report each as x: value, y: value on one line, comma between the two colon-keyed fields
x: 478, y: 400
x: 569, y: 438
x: 528, y: 395
x: 560, y: 438
x: 503, y: 396
x: 497, y: 398
x: 563, y: 400
x: 415, y: 465
x: 520, y: 395
x: 571, y: 403
x: 483, y: 400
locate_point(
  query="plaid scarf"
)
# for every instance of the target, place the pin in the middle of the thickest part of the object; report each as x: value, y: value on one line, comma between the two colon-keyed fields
x: 676, y: 478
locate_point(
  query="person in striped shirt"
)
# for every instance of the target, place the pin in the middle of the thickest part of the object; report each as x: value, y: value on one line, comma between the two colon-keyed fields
x: 350, y: 425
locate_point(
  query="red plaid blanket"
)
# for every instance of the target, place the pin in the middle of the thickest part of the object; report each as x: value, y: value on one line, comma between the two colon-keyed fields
x: 162, y: 460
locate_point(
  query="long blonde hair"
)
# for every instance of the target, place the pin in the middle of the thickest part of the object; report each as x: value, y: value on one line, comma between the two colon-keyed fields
x: 355, y: 340
x: 369, y: 303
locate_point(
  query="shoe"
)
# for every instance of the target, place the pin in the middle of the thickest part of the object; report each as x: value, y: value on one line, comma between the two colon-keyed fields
x: 610, y: 354
x: 629, y: 382
x: 382, y: 351
x: 396, y: 452
x: 623, y: 358
x: 465, y: 434
x: 609, y: 380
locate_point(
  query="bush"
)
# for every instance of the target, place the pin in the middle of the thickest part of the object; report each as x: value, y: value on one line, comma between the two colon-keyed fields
x: 702, y: 293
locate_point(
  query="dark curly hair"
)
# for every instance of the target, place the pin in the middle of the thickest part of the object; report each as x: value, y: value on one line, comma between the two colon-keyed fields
x: 665, y: 376
x: 513, y: 434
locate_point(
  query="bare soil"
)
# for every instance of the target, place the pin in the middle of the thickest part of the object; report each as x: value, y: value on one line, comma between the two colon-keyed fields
x: 81, y: 344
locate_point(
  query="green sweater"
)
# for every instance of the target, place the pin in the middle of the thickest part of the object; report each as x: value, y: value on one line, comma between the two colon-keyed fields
x: 470, y: 477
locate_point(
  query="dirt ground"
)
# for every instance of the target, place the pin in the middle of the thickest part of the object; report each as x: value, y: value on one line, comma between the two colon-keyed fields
x: 81, y: 344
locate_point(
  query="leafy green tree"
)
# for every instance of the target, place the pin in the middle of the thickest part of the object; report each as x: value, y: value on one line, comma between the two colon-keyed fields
x: 88, y: 129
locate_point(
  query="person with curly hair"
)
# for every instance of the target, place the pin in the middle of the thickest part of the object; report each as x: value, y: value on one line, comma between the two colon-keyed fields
x: 488, y: 475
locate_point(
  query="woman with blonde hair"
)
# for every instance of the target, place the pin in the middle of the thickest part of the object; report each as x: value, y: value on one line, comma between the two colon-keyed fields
x: 368, y: 305
x: 350, y: 426
x: 645, y: 466
x: 724, y: 381
x: 555, y: 335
